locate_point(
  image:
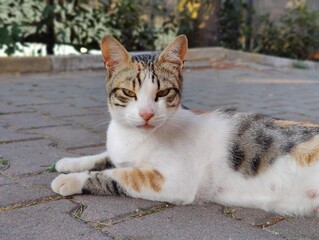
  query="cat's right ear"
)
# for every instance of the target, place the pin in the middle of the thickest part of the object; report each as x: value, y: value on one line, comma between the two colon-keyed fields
x: 114, y: 54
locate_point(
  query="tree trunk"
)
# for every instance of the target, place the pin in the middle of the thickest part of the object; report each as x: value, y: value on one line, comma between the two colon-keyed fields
x: 50, y: 29
x: 248, y: 34
x: 207, y: 33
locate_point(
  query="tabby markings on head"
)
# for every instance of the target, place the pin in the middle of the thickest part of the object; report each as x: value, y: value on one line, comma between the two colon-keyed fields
x: 126, y: 83
x: 127, y: 74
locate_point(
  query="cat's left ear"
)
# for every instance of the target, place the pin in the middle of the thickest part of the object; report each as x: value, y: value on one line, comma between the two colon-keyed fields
x: 175, y: 52
x: 114, y: 54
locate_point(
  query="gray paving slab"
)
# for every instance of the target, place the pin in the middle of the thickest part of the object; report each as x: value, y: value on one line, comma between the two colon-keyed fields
x: 102, y: 109
x: 22, y: 190
x: 58, y: 110
x: 89, y: 150
x: 103, y: 208
x: 42, y: 180
x: 252, y: 91
x: 30, y: 156
x: 297, y: 228
x: 46, y: 221
x: 30, y: 120
x: 82, y: 101
x: 97, y: 121
x: 7, y: 134
x: 9, y: 109
x: 24, y: 99
x: 188, y: 222
x: 254, y: 217
x: 70, y: 136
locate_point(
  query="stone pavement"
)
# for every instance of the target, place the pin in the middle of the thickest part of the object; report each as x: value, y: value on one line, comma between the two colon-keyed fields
x: 44, y: 117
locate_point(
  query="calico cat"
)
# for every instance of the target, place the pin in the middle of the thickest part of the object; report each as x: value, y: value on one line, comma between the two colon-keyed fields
x: 159, y: 151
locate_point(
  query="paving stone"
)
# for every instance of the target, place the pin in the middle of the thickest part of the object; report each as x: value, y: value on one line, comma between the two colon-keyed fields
x: 9, y: 109
x: 297, y: 228
x: 188, y: 222
x: 101, y: 109
x: 70, y: 136
x: 46, y: 221
x: 23, y: 190
x: 252, y: 216
x: 98, y: 122
x: 82, y: 101
x: 58, y: 110
x: 103, y: 208
x: 40, y: 180
x: 24, y: 99
x: 30, y: 120
x: 8, y: 134
x: 4, y: 181
x: 89, y: 151
x: 30, y: 156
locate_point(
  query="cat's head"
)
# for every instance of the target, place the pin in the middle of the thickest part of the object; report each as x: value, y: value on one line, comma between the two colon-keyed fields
x: 144, y: 91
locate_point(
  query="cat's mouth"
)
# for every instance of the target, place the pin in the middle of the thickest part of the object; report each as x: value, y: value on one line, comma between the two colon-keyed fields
x: 146, y: 126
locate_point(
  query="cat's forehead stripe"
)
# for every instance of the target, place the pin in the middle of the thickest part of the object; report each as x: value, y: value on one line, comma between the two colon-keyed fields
x: 145, y: 59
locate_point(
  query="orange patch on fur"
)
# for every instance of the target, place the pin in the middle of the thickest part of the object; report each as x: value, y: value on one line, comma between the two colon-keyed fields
x: 288, y: 123
x: 137, y: 178
x: 197, y: 111
x: 307, y: 152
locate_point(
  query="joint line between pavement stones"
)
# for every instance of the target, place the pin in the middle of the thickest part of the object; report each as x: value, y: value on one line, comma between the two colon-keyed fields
x: 31, y: 203
x: 77, y: 213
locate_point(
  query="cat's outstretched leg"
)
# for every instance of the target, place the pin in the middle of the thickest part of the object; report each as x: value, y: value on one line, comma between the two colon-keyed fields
x: 95, y: 162
x: 146, y: 183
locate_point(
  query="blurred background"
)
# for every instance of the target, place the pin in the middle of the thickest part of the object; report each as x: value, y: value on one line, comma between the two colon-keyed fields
x: 287, y: 28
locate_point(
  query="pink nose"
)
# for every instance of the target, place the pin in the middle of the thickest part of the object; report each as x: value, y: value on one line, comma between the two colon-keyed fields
x: 146, y: 115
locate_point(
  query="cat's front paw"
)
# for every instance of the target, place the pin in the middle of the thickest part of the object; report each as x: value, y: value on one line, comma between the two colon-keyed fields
x: 67, y: 165
x: 69, y: 184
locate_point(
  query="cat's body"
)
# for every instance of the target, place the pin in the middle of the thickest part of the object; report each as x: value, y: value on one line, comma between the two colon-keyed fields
x: 159, y: 151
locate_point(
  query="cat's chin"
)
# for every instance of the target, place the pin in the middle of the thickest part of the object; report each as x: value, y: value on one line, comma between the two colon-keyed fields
x: 146, y: 127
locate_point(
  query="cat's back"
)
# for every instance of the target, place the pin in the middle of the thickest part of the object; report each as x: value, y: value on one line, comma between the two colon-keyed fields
x: 258, y: 140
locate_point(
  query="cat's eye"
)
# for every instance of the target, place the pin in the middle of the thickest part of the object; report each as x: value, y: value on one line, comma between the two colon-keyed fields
x: 128, y: 93
x: 163, y: 93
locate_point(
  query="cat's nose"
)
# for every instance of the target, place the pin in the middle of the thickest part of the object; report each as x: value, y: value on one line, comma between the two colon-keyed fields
x: 146, y: 115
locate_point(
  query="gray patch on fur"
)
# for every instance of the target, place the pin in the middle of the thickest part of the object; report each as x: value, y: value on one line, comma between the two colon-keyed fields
x: 106, y: 163
x: 99, y: 184
x: 258, y: 141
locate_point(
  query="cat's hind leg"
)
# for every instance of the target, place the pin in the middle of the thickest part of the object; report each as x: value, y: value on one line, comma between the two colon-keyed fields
x: 95, y: 162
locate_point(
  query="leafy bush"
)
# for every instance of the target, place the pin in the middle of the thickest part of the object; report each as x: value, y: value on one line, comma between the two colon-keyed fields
x: 77, y: 23
x: 128, y: 23
x: 295, y: 36
x: 231, y: 20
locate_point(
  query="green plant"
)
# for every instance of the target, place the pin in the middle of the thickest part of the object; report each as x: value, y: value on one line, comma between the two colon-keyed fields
x: 128, y: 24
x: 295, y: 36
x: 236, y: 24
x: 199, y: 21
x: 79, y: 23
x: 300, y: 65
x: 230, y: 20
x: 51, y: 168
x: 3, y: 161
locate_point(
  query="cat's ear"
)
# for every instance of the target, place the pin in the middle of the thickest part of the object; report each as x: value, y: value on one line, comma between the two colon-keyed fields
x: 176, y: 51
x: 114, y: 54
